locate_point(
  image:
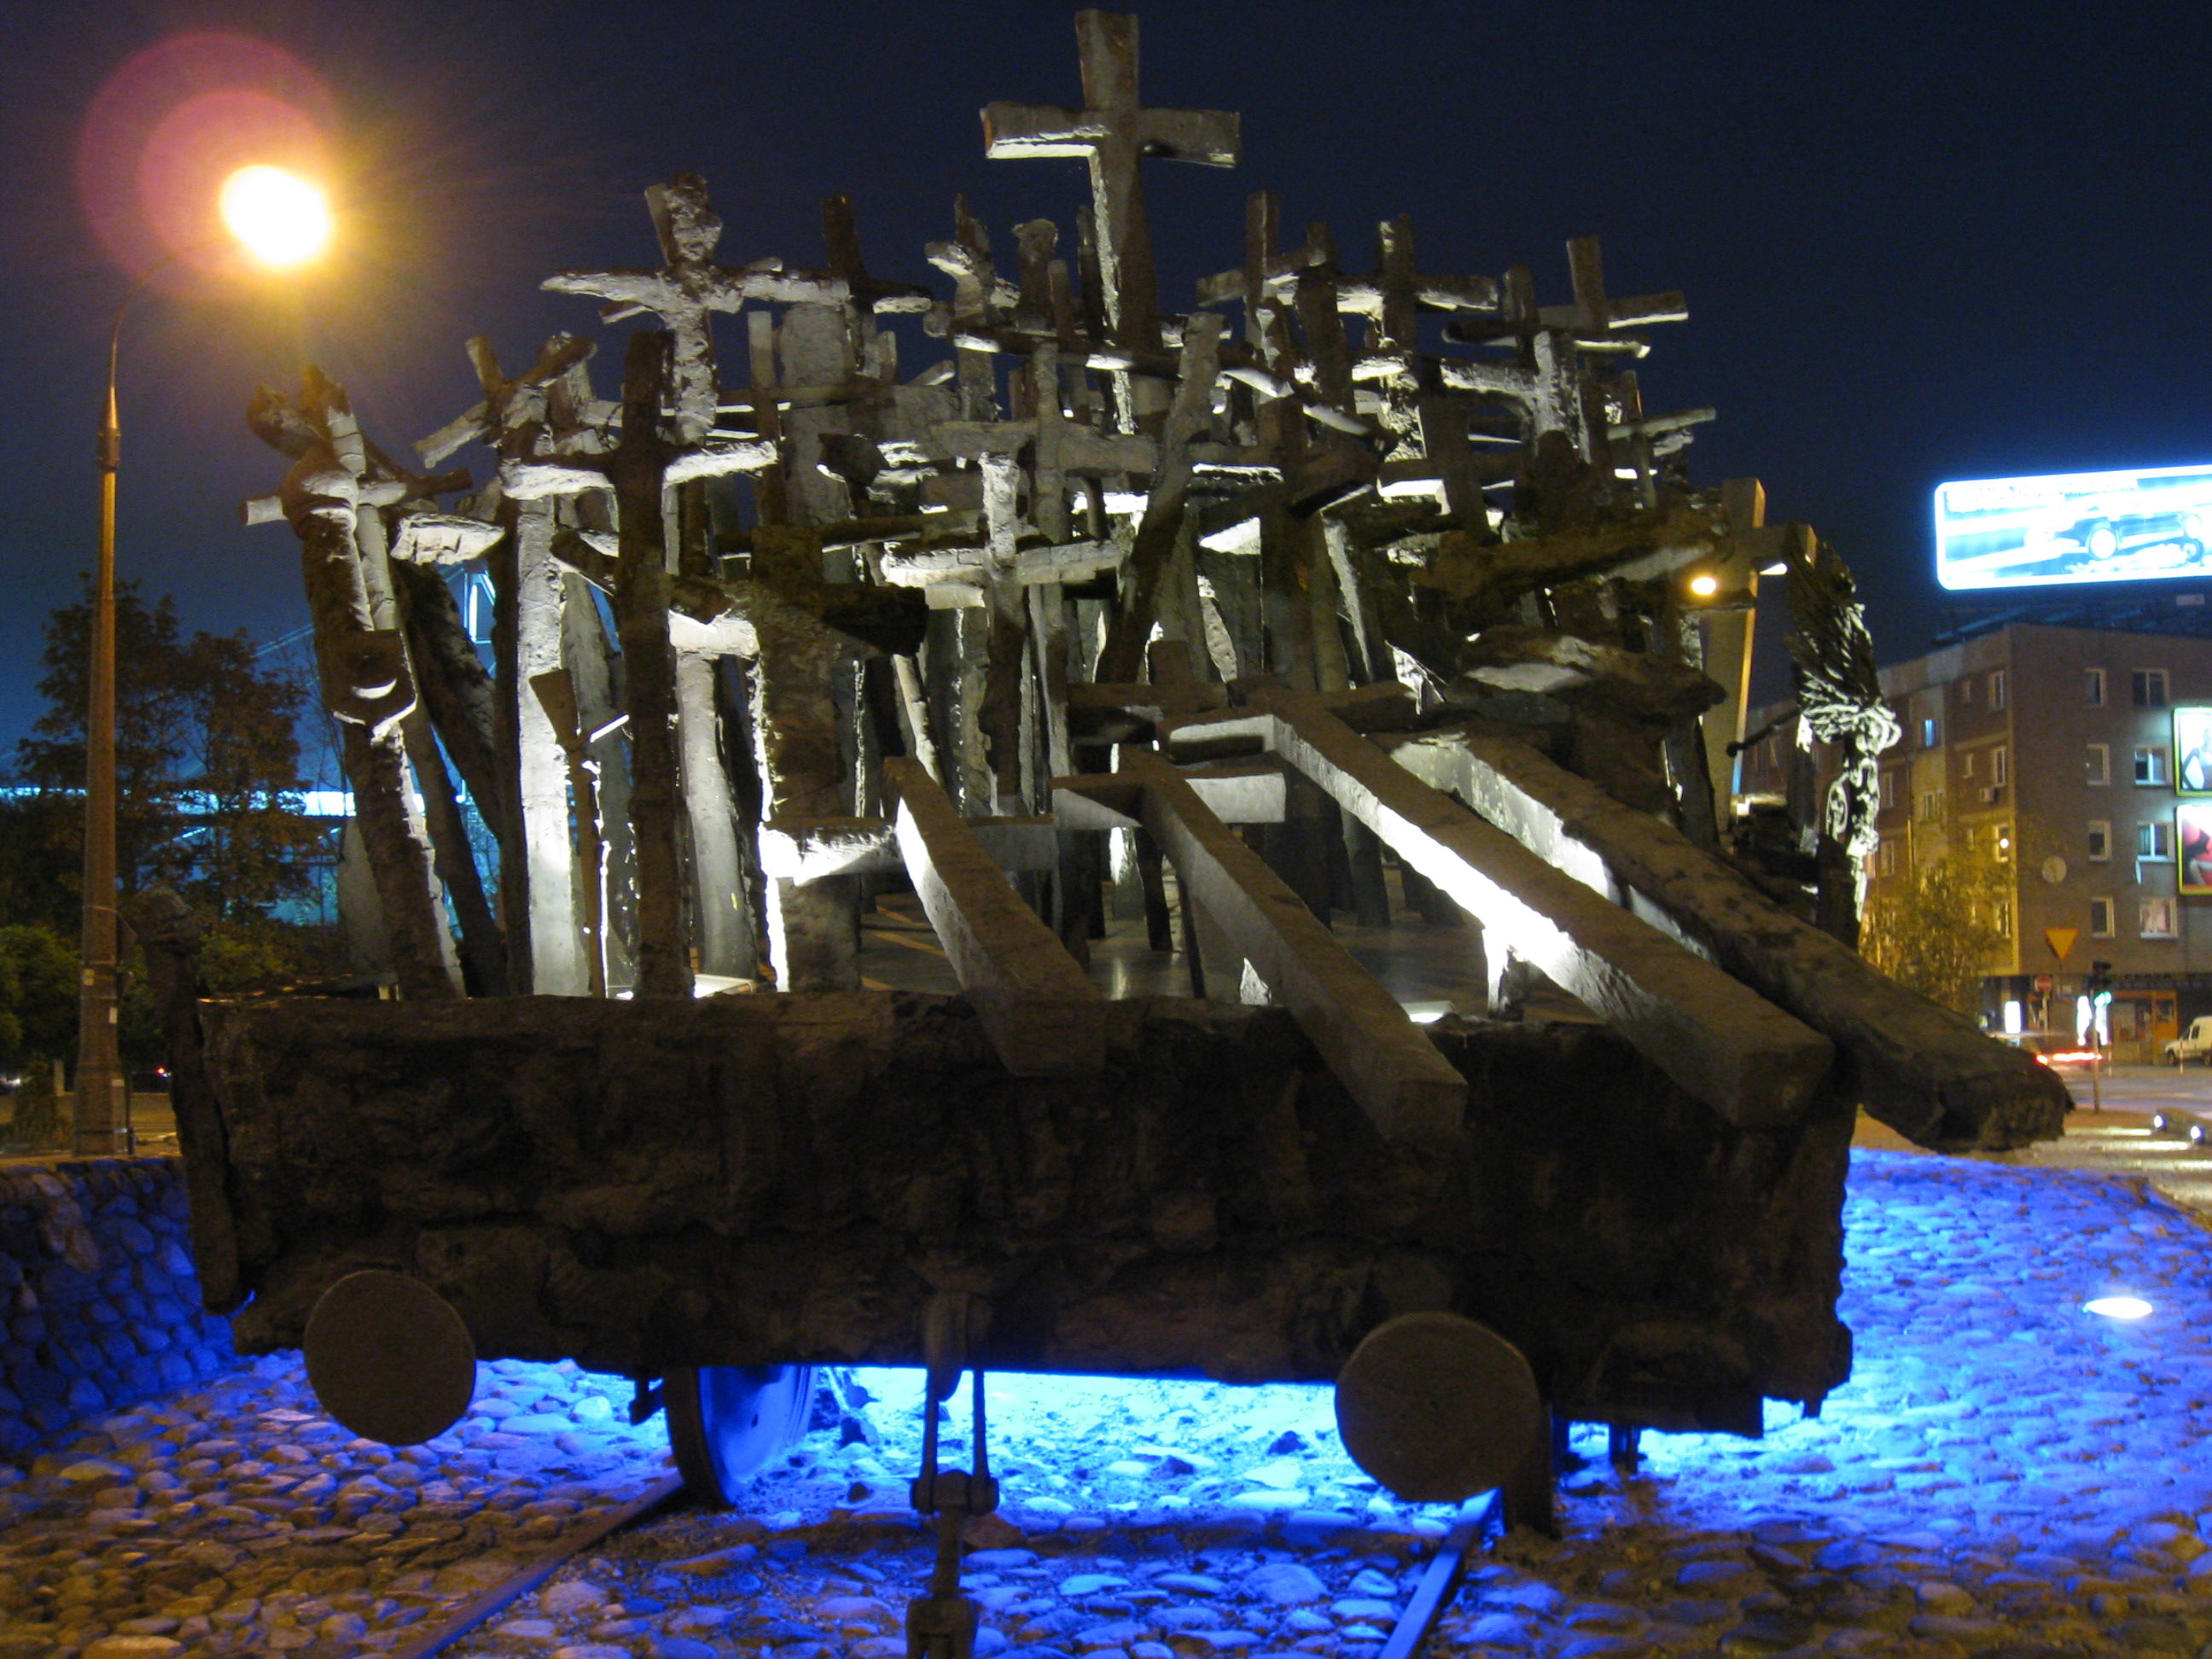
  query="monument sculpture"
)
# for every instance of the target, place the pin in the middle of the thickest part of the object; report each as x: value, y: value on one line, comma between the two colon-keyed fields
x: 1348, y: 571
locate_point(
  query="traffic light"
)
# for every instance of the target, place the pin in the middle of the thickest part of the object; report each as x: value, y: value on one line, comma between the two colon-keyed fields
x: 2100, y: 984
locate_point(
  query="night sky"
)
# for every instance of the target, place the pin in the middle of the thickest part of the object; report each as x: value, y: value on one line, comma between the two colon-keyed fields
x: 1917, y: 242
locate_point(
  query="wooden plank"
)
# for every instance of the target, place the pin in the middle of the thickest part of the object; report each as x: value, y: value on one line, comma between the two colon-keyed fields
x: 1750, y: 1062
x: 1922, y: 1070
x: 1043, y: 1015
x: 807, y: 849
x: 1247, y: 792
x: 1394, y: 1073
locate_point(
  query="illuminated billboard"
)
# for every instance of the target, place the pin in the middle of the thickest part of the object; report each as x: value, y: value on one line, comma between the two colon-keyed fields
x: 2193, y: 820
x: 2074, y: 528
x: 2192, y: 751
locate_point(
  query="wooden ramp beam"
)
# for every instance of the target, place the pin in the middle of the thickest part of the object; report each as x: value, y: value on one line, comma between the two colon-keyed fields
x: 1412, y: 1093
x: 1749, y: 1061
x: 1041, y: 1011
x: 1922, y: 1070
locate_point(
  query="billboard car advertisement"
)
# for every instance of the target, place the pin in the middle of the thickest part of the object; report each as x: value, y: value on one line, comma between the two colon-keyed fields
x: 2072, y: 527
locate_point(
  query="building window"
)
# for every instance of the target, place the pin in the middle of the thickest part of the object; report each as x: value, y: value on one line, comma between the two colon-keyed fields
x: 1885, y: 859
x: 2000, y: 765
x: 2093, y: 687
x: 2150, y: 764
x: 1965, y: 690
x: 1997, y: 688
x: 2100, y: 918
x: 2100, y: 768
x: 2100, y: 840
x: 2160, y: 919
x: 2003, y: 917
x: 2154, y: 841
x: 1931, y: 807
x: 2148, y: 687
x: 1931, y: 732
x: 1967, y: 765
x: 1889, y: 790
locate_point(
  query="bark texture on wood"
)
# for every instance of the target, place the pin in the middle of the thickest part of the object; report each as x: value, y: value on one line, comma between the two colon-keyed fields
x: 725, y: 943
x: 754, y: 1180
x: 640, y: 604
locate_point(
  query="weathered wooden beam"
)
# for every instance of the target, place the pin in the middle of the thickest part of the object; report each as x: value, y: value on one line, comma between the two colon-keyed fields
x: 1381, y: 1058
x: 1042, y: 1013
x: 806, y: 849
x: 1922, y: 1070
x: 1247, y: 792
x: 1749, y: 1061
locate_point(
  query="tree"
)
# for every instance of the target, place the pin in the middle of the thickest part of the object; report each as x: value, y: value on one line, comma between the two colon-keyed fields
x: 1935, y: 930
x: 207, y: 761
x: 38, y: 1024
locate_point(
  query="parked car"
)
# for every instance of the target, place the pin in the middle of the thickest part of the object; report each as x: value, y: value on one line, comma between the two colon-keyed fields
x: 2106, y: 527
x: 2195, y: 1043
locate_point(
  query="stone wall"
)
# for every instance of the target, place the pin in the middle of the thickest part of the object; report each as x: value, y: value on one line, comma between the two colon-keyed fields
x: 100, y: 1304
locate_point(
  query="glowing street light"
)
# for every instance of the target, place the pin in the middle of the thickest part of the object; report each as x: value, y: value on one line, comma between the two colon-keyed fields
x: 281, y: 220
x: 277, y: 216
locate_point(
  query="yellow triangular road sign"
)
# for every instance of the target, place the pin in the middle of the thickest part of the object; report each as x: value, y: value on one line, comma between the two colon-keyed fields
x: 2060, y: 940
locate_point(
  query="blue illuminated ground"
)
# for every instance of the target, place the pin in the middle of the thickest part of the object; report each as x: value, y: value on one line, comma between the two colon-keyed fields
x: 2005, y: 1475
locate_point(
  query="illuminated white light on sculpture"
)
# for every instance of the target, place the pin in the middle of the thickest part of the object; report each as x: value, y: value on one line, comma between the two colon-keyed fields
x: 280, y: 218
x: 1777, y: 568
x: 1425, y: 1013
x: 2118, y: 1307
x: 1704, y: 586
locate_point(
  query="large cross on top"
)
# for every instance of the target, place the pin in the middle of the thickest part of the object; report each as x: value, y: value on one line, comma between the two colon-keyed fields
x: 1115, y: 132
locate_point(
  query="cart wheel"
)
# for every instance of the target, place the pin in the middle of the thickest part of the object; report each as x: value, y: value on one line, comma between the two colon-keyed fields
x: 389, y: 1358
x: 1437, y: 1408
x: 726, y: 1422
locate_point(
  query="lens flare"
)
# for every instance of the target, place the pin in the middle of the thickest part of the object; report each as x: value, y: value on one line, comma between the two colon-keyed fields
x: 169, y: 126
x: 280, y: 218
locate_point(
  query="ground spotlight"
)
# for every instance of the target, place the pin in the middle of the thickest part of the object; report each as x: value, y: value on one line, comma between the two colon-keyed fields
x: 2159, y: 1123
x: 2118, y: 1307
x: 2196, y: 1132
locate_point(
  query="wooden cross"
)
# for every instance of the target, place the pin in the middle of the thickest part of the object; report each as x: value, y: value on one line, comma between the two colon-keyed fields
x: 689, y: 287
x: 1544, y: 377
x: 980, y: 297
x: 1393, y: 299
x: 1596, y: 318
x: 643, y: 464
x: 512, y: 416
x: 1115, y: 132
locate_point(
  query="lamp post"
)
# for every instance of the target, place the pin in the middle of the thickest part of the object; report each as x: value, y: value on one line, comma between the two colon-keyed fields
x: 281, y: 220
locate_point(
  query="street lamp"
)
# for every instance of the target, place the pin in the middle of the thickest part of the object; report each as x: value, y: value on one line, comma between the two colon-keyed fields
x: 281, y: 220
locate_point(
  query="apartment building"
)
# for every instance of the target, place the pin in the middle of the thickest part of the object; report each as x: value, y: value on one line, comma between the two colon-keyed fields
x: 2052, y: 748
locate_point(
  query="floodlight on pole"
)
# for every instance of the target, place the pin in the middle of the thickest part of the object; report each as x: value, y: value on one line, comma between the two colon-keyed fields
x: 281, y: 220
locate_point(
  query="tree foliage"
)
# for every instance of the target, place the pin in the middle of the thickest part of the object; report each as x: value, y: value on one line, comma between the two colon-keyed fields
x: 207, y: 801
x: 1938, y: 930
x: 37, y: 997
x: 207, y: 761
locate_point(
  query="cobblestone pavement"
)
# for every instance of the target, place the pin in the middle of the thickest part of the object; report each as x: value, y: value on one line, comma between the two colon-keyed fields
x: 2005, y: 1475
